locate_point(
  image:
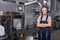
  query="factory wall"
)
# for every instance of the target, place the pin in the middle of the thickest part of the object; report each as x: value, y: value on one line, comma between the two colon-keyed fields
x: 7, y: 6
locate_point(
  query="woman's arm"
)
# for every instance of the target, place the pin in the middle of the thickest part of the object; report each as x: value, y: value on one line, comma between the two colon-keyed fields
x: 48, y: 25
x: 44, y: 25
x: 38, y: 23
x: 49, y: 22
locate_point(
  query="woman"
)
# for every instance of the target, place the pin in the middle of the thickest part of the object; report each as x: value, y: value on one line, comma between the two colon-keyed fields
x: 44, y: 23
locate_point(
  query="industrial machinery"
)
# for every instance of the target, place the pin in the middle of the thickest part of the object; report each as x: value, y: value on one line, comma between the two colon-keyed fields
x: 57, y: 20
x: 2, y: 28
x: 20, y: 22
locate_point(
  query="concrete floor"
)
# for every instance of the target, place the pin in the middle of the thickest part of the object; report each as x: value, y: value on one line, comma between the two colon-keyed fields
x: 55, y: 35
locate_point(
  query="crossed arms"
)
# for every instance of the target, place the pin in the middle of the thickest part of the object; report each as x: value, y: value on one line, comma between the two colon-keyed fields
x: 42, y: 24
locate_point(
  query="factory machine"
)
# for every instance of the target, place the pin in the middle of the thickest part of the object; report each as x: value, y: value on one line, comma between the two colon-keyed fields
x: 20, y: 21
x: 24, y: 20
x: 2, y: 28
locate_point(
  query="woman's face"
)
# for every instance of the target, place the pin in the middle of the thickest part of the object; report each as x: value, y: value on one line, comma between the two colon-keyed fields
x: 44, y: 11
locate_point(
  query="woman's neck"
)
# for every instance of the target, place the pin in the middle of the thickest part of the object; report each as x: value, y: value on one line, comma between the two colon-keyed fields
x: 44, y: 15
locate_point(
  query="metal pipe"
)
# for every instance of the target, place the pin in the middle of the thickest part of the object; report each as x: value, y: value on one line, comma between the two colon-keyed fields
x: 55, y: 6
x: 30, y: 2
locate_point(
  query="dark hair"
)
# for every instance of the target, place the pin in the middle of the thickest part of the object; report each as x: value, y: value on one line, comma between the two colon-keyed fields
x: 45, y: 7
x: 7, y: 12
